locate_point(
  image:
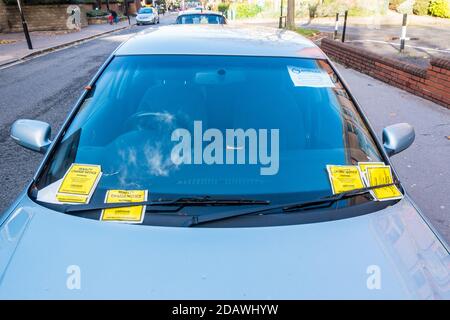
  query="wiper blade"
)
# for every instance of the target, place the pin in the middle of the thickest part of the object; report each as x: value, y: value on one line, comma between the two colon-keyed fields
x: 329, y: 200
x: 180, y: 202
x: 321, y: 202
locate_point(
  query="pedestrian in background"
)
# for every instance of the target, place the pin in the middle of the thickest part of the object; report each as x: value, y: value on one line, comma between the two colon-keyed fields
x: 113, y: 17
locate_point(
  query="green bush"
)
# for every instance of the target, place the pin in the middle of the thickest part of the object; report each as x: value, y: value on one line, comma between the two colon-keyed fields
x: 329, y: 8
x: 439, y: 8
x: 420, y: 7
x: 246, y: 10
x: 326, y: 8
x: 307, y: 32
x: 97, y: 13
x: 223, y: 7
x: 359, y: 12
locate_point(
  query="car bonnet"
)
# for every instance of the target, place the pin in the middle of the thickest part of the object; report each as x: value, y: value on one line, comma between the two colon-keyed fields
x: 388, y: 254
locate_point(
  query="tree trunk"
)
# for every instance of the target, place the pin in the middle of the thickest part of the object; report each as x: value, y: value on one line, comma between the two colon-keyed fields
x: 290, y: 16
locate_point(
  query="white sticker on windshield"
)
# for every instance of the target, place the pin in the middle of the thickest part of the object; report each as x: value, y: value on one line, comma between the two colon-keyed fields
x: 302, y: 77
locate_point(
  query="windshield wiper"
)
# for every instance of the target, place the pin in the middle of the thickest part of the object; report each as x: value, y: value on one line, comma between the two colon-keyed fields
x: 180, y: 202
x: 323, y: 202
x: 329, y: 200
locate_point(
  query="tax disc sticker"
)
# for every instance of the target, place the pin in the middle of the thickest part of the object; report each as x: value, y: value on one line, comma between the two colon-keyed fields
x: 316, y: 78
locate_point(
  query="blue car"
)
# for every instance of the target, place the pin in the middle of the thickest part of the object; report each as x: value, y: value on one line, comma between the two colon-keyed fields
x: 217, y: 162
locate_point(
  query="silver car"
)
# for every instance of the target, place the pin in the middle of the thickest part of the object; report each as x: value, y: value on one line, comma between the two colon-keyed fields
x: 235, y: 172
x: 147, y: 15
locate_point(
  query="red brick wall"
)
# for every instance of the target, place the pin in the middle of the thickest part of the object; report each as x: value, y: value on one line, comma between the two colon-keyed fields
x: 3, y: 22
x: 432, y: 83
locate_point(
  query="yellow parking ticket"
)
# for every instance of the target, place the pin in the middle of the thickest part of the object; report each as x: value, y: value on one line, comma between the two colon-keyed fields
x: 344, y: 178
x: 71, y: 198
x: 382, y: 175
x: 79, y: 183
x: 364, y: 165
x: 125, y: 214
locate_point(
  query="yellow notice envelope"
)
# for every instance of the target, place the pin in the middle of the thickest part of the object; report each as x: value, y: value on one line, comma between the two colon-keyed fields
x: 344, y: 178
x: 79, y: 183
x: 125, y: 214
x: 382, y: 175
x: 364, y: 165
x: 72, y: 198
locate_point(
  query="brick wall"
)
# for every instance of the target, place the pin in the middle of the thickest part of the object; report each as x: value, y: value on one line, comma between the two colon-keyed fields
x: 3, y: 24
x: 432, y: 83
x: 39, y: 17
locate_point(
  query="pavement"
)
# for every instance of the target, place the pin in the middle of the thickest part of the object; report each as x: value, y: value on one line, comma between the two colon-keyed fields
x: 428, y: 36
x: 47, y: 86
x: 424, y: 167
x: 424, y: 41
x: 16, y: 48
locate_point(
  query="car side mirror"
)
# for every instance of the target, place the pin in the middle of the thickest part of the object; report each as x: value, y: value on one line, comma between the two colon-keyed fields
x: 32, y: 134
x: 398, y: 137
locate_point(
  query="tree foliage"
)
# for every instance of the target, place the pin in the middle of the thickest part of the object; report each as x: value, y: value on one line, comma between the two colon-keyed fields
x: 440, y: 8
x: 420, y: 7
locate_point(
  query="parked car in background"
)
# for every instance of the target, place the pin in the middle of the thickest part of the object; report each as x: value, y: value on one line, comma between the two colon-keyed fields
x: 203, y: 17
x: 147, y: 15
x: 115, y: 198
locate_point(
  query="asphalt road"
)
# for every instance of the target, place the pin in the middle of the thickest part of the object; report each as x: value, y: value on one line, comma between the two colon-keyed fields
x: 46, y: 87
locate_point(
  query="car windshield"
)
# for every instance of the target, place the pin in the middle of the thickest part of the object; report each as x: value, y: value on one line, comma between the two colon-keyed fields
x: 213, y: 125
x: 146, y: 10
x: 197, y: 18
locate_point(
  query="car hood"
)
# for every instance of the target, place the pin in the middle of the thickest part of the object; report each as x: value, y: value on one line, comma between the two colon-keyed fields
x: 388, y: 254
